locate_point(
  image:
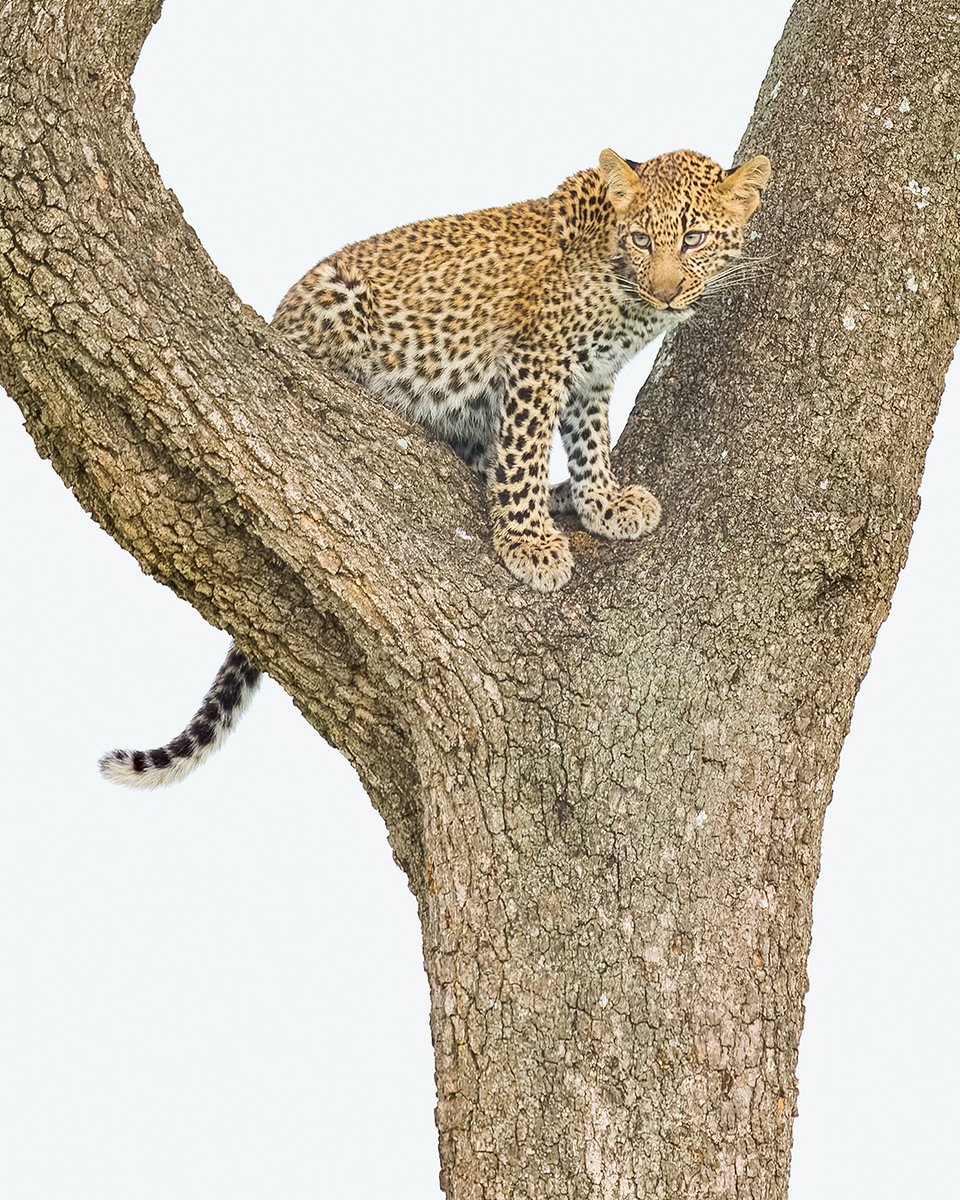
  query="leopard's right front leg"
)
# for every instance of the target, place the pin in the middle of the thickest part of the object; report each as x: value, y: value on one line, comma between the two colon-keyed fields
x: 524, y: 535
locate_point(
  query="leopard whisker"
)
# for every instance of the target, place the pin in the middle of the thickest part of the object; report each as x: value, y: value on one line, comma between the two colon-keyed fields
x: 731, y: 280
x: 745, y: 266
x: 741, y: 270
x: 628, y: 286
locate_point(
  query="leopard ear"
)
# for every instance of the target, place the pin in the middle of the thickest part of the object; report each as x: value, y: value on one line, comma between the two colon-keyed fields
x: 620, y: 178
x: 743, y: 185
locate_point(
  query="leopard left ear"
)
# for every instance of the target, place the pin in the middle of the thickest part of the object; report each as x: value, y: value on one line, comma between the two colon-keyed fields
x: 743, y: 185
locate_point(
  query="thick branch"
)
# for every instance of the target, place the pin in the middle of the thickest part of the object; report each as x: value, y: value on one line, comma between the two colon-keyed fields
x: 217, y: 455
x: 794, y: 420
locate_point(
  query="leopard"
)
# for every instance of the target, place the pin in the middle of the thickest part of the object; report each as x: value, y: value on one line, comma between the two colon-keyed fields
x: 495, y: 328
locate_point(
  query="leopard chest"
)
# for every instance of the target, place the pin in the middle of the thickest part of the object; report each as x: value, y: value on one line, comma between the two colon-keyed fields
x: 602, y: 345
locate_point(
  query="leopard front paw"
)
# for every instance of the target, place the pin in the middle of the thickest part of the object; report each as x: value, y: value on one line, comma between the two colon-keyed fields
x: 540, y: 558
x: 627, y: 512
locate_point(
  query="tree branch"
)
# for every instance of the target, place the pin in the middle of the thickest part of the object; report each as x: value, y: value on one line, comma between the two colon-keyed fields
x: 246, y: 481
x: 818, y: 385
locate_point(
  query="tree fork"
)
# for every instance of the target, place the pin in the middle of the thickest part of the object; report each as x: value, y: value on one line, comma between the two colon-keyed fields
x: 608, y: 801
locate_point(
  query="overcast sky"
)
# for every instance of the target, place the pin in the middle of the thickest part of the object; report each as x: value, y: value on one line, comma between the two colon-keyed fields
x: 217, y: 990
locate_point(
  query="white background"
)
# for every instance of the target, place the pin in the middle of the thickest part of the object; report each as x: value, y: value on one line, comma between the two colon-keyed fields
x: 216, y: 991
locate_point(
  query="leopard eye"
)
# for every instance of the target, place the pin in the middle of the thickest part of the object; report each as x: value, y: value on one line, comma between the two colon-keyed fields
x: 641, y: 240
x: 694, y: 237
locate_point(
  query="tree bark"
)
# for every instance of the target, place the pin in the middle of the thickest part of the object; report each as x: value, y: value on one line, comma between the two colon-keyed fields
x: 608, y: 802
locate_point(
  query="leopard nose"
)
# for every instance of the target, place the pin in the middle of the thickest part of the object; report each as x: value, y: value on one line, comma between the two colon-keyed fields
x: 668, y: 294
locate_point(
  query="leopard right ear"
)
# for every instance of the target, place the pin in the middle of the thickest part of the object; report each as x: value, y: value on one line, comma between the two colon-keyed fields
x: 620, y: 178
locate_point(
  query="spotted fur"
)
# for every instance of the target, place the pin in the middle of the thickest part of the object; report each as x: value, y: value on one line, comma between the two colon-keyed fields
x: 493, y: 328
x: 222, y: 706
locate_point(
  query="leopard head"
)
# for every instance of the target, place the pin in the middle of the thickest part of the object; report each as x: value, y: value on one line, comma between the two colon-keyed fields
x: 680, y: 219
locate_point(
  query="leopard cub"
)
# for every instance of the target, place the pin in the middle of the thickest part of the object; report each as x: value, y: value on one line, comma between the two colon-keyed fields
x: 491, y: 328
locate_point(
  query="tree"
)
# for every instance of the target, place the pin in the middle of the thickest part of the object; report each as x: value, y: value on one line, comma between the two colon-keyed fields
x: 608, y: 803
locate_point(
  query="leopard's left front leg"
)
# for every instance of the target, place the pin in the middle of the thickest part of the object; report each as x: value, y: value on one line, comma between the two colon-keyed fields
x: 603, y: 506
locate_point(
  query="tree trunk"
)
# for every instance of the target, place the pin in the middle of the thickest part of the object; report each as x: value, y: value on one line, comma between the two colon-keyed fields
x: 608, y: 802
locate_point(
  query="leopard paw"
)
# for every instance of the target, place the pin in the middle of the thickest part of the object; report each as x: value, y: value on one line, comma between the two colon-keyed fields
x: 627, y: 512
x: 540, y: 558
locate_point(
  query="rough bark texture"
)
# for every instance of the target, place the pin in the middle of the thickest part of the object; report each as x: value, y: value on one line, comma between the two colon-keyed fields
x: 609, y: 801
